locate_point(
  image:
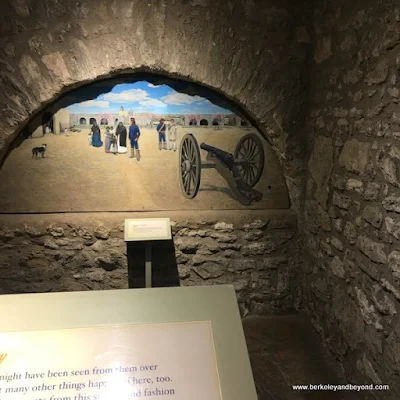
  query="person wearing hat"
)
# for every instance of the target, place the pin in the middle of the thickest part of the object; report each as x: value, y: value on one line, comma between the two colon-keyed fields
x: 161, y: 129
x: 134, y: 134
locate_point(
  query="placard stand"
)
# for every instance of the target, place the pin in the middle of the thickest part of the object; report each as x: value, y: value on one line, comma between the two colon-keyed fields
x: 148, y: 267
x: 147, y: 230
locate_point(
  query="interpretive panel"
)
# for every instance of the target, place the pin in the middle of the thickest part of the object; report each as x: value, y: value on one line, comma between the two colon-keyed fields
x: 151, y: 344
x: 154, y: 361
x: 147, y: 229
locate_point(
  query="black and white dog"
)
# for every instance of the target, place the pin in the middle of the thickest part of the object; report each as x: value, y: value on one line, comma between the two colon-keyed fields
x: 39, y: 150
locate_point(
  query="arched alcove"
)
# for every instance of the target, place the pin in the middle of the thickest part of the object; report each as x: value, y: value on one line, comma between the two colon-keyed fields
x: 82, y: 121
x: 268, y: 83
x: 92, y: 121
x: 203, y: 122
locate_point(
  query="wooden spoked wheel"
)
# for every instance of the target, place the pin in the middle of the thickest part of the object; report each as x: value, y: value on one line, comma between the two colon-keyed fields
x: 249, y: 158
x: 189, y: 166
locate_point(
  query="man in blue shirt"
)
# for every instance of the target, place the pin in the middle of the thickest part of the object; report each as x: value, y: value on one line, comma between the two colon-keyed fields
x: 161, y: 129
x: 134, y: 133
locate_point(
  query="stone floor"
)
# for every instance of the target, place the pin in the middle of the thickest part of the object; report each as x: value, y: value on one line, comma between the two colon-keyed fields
x: 285, y: 351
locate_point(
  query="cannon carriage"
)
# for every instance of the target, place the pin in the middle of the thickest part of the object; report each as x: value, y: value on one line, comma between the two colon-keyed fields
x: 242, y: 170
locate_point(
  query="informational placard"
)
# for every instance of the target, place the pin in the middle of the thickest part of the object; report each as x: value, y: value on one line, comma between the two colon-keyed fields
x: 147, y: 229
x: 154, y: 361
x: 175, y: 343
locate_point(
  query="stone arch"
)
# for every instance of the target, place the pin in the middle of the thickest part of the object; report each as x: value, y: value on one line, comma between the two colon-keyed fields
x: 267, y: 84
x: 215, y: 122
x: 203, y: 122
x: 193, y: 88
x: 82, y: 121
x: 92, y: 121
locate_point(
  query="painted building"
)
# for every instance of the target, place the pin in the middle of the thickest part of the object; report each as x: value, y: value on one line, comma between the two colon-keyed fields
x: 147, y: 119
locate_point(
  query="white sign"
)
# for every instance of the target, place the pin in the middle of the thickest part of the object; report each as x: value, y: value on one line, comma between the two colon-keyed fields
x: 156, y: 361
x: 147, y: 229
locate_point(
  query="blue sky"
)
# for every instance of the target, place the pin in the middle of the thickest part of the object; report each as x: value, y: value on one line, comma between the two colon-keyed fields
x: 145, y: 97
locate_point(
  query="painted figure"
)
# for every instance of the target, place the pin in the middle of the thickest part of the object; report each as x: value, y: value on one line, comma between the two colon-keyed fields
x: 172, y: 135
x: 113, y: 144
x: 161, y: 129
x: 96, y: 136
x: 121, y: 135
x: 107, y: 140
x: 134, y: 134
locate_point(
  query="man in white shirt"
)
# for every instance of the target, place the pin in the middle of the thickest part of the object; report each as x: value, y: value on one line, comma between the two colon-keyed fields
x: 172, y: 135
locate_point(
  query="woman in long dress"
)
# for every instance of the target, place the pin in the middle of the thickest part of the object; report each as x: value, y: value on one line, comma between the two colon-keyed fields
x: 121, y: 135
x: 107, y: 140
x: 96, y: 136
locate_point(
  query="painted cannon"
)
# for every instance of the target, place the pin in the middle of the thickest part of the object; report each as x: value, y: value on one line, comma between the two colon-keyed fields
x: 242, y: 170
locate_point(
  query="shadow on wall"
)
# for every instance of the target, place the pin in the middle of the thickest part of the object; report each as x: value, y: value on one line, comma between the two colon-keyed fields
x: 164, y: 264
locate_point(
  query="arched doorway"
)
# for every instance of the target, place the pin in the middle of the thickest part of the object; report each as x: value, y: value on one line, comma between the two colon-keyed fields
x: 82, y: 121
x: 215, y: 122
x: 48, y: 123
x: 104, y: 121
x: 92, y: 121
x: 193, y: 121
x: 203, y: 122
x: 116, y: 121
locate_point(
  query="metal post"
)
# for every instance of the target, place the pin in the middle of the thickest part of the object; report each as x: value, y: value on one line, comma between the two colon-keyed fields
x: 148, y: 271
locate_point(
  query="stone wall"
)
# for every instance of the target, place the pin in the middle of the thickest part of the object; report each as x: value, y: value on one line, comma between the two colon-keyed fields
x: 259, y: 257
x: 351, y: 216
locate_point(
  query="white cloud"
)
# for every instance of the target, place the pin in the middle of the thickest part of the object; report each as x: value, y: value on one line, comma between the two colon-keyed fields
x: 150, y: 85
x: 180, y: 98
x: 152, y: 103
x: 95, y: 103
x: 127, y: 96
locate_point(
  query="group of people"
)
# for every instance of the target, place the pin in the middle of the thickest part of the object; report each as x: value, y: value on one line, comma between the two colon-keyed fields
x: 116, y: 143
x: 113, y: 142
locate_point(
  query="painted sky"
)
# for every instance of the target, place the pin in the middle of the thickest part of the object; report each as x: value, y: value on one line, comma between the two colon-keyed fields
x: 146, y: 97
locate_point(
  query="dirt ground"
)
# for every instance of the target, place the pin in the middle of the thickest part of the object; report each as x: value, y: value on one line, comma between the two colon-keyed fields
x: 77, y: 177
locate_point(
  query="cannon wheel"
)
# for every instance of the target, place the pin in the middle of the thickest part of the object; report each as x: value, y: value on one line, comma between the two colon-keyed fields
x: 189, y: 166
x: 250, y: 148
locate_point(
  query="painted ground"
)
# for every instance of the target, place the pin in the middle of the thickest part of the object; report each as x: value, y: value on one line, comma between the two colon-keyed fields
x: 77, y: 177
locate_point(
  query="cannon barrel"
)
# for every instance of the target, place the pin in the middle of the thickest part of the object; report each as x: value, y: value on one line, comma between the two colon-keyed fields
x: 227, y: 158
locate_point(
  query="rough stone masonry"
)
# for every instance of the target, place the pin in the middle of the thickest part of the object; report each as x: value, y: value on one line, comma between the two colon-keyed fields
x: 260, y: 258
x: 352, y: 204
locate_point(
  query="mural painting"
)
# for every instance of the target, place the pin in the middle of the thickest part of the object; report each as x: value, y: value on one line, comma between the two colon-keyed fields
x: 141, y: 147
